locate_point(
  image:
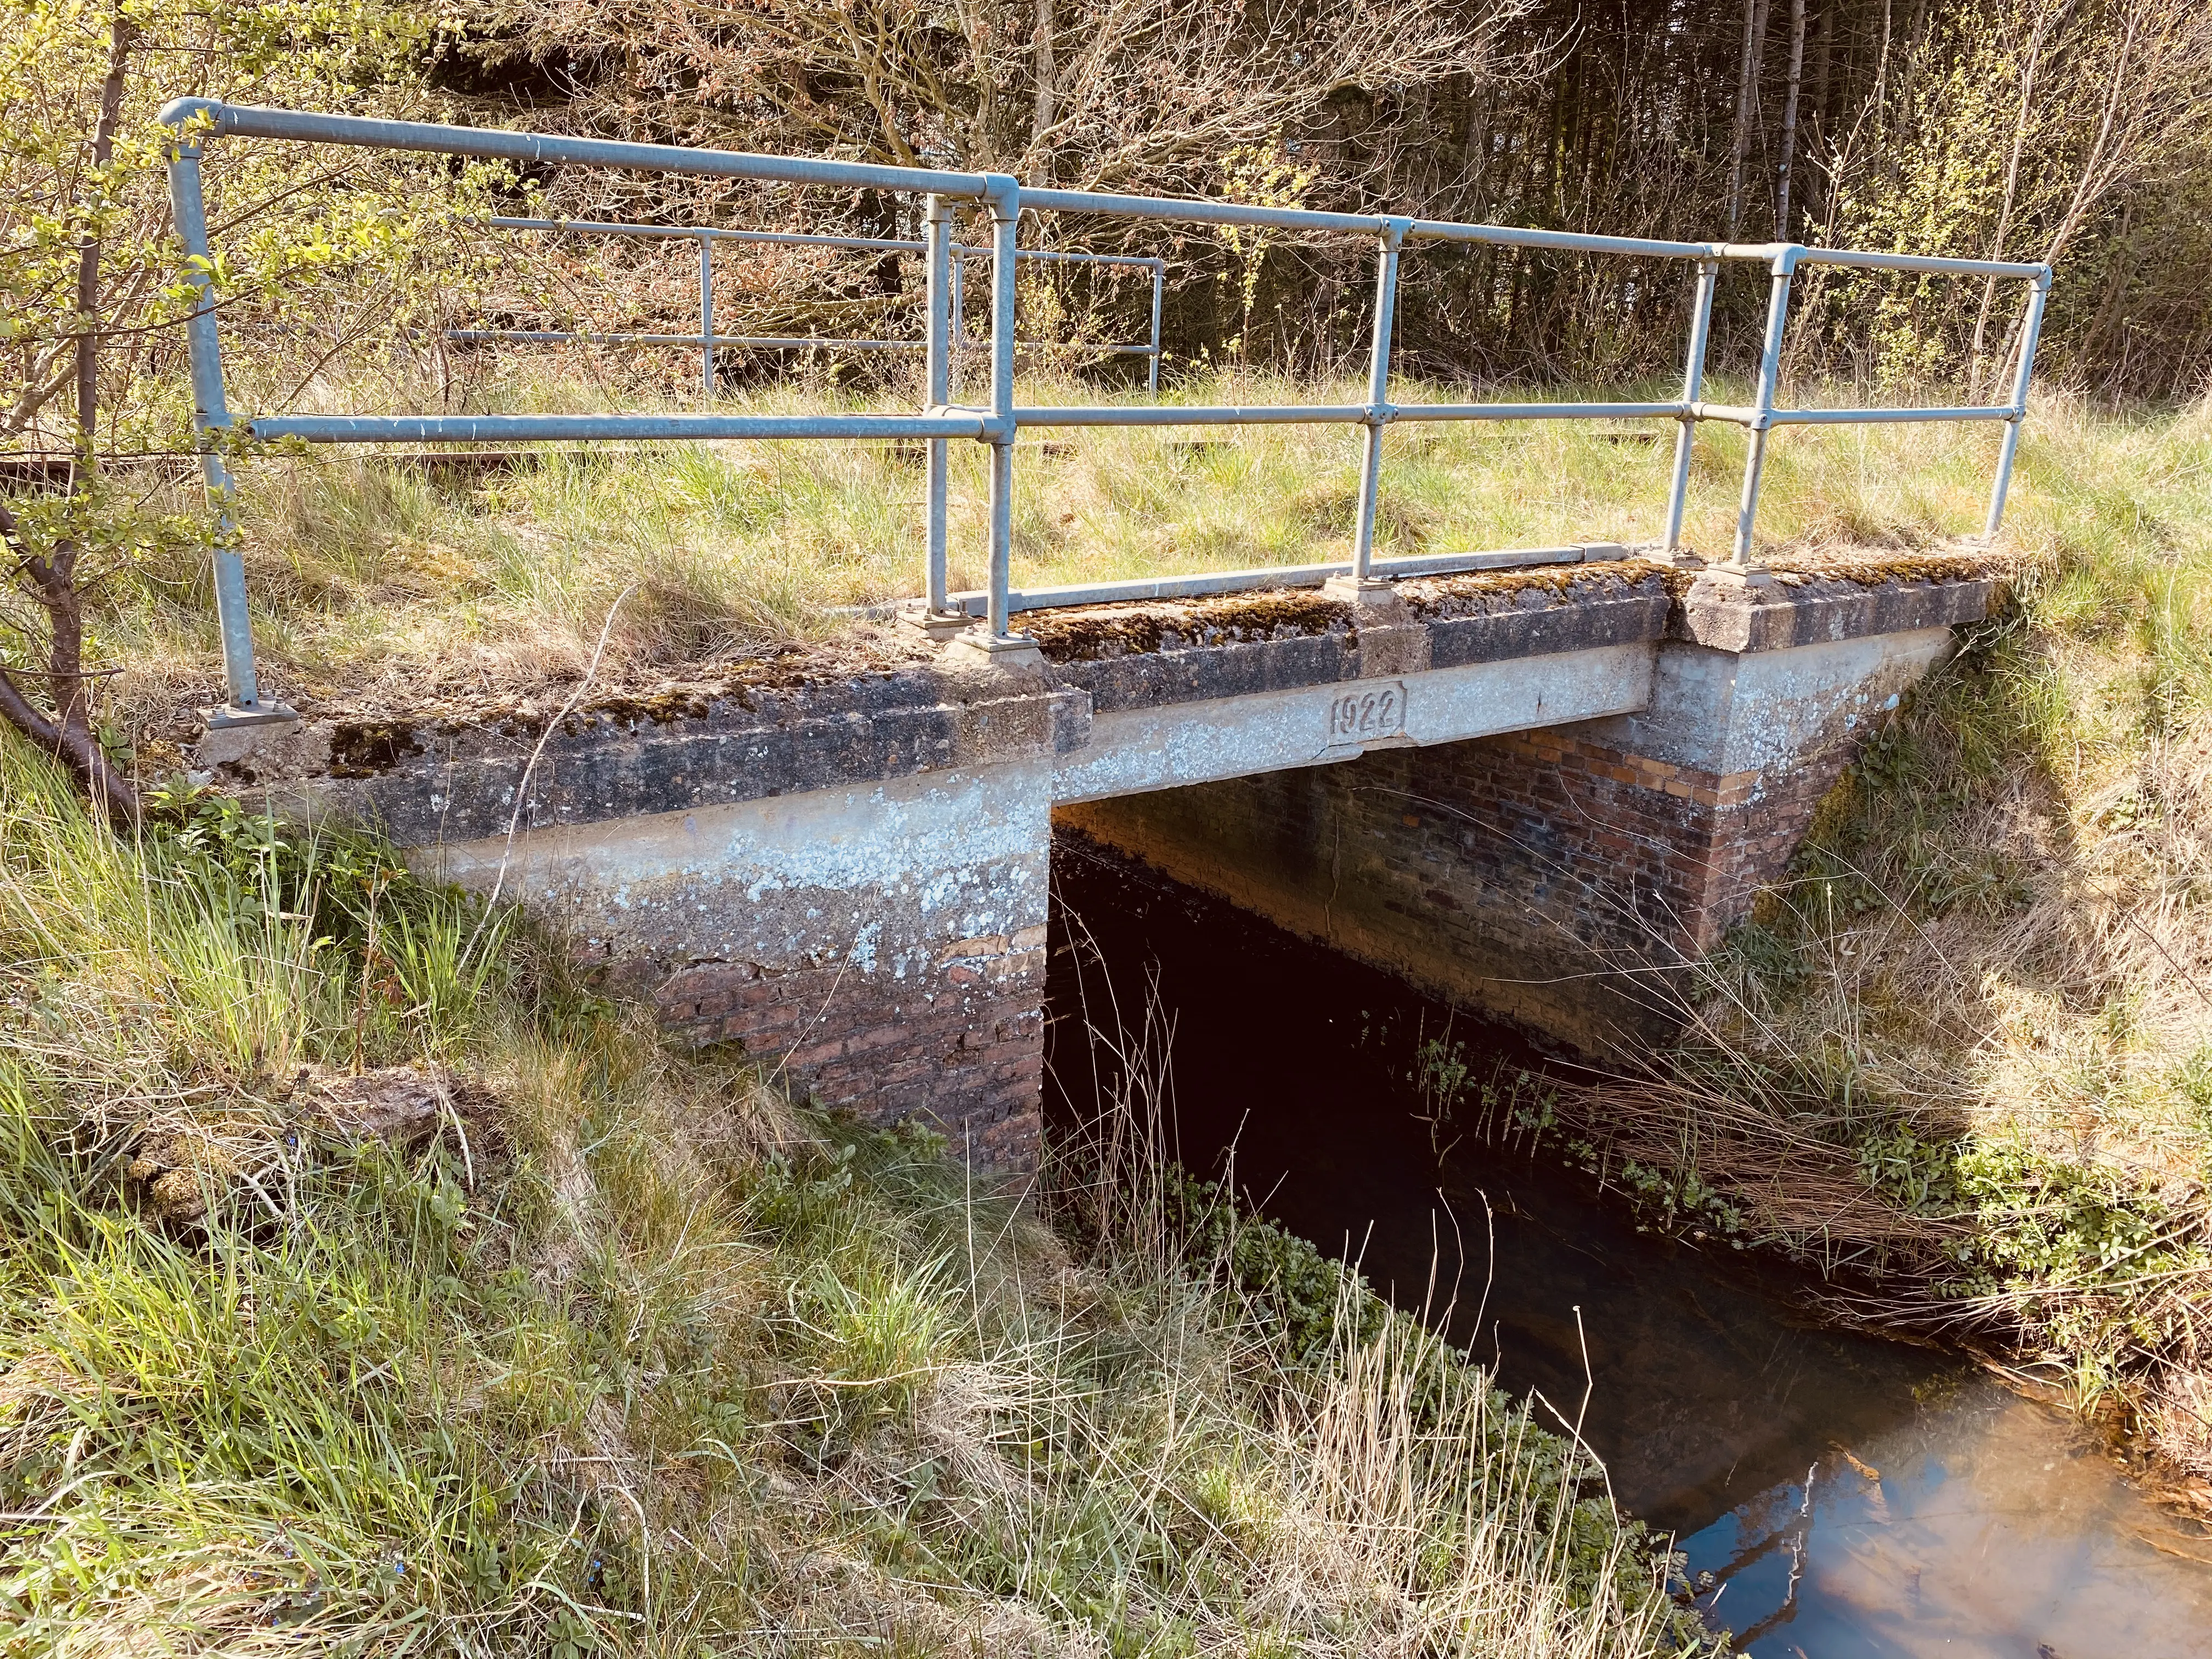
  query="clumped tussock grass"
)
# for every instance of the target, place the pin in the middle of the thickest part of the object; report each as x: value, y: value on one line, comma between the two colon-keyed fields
x: 375, y: 581
x: 371, y: 1288
x: 1967, y: 1048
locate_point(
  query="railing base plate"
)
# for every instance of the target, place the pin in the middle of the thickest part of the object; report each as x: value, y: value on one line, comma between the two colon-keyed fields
x: 1008, y: 651
x: 1354, y: 590
x: 1743, y: 578
x: 939, y: 625
x: 227, y: 716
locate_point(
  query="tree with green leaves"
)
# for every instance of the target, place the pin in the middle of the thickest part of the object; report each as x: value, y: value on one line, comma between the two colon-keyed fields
x: 94, y: 289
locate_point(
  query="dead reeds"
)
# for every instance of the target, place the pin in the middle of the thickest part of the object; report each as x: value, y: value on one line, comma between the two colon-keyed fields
x: 1962, y: 1058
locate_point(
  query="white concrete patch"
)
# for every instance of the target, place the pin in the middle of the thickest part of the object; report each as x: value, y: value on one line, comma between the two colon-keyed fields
x: 1136, y: 749
x: 879, y: 874
x: 1761, y: 711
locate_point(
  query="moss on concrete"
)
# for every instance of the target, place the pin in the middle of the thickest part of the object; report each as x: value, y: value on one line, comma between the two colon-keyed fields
x: 1094, y: 633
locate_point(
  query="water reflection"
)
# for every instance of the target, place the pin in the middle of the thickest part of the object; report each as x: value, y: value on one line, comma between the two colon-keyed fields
x: 1847, y: 1496
x: 1979, y: 1526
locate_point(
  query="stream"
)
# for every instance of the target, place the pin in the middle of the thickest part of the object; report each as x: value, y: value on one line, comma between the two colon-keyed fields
x: 1835, y: 1495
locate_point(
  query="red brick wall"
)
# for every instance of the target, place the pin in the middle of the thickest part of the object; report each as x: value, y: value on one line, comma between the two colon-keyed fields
x: 1544, y: 876
x: 964, y: 1048
x: 1685, y: 850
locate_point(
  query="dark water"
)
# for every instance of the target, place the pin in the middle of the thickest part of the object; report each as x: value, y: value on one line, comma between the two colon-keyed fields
x: 1848, y: 1496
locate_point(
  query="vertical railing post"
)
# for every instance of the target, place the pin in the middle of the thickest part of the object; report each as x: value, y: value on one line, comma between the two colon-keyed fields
x: 959, y: 310
x: 1378, y: 398
x: 1159, y: 287
x: 211, y: 419
x: 1006, y: 216
x: 2030, y: 326
x: 707, y: 314
x: 1694, y: 387
x: 937, y: 239
x: 1770, y: 376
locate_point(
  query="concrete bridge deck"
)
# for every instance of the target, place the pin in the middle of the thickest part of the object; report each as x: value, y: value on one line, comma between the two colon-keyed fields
x: 1526, y: 790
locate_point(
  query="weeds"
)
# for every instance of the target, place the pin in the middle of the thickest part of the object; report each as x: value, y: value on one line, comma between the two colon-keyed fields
x: 365, y: 1292
x: 1959, y: 1056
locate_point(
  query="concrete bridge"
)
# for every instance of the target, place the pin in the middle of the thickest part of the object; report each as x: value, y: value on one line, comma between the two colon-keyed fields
x: 1538, y: 793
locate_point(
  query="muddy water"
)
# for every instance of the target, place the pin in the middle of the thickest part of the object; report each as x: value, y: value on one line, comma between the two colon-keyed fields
x: 1837, y: 1495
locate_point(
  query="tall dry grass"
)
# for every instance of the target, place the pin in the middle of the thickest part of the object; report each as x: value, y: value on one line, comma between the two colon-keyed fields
x: 1964, y: 1051
x: 375, y: 582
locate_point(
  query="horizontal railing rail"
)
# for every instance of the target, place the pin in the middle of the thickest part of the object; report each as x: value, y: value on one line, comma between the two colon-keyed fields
x: 709, y: 341
x: 998, y: 421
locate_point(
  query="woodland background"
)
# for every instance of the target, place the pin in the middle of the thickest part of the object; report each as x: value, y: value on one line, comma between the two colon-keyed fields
x: 2078, y: 132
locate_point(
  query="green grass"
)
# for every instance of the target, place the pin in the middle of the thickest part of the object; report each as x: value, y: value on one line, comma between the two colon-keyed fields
x: 368, y: 580
x: 624, y: 1354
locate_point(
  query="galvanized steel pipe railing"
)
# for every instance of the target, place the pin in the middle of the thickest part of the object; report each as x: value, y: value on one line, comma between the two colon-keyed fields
x: 709, y: 341
x: 999, y: 422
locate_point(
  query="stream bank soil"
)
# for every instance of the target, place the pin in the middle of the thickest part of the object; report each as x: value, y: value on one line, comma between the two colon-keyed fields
x: 1835, y: 1495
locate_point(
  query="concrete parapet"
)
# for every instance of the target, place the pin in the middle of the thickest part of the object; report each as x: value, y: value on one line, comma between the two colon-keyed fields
x: 457, y: 775
x: 1835, y: 600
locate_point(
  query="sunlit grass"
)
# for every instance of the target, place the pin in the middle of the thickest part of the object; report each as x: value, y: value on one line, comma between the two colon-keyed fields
x: 623, y: 1355
x: 363, y: 573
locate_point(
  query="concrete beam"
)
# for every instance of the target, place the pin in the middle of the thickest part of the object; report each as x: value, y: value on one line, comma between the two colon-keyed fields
x: 1131, y: 750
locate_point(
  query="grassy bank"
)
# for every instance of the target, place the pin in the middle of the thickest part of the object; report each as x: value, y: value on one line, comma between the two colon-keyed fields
x: 1966, y: 1052
x: 372, y: 582
x: 371, y: 1289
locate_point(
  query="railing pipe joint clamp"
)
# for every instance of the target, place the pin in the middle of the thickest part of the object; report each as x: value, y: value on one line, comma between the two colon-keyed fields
x: 178, y: 112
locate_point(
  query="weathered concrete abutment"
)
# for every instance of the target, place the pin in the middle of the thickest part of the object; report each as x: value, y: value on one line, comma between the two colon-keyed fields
x: 1522, y: 790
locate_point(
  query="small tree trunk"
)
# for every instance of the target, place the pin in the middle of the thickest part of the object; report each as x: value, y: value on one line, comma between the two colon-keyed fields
x: 1976, y: 369
x: 52, y: 576
x: 1882, y: 80
x: 1047, y: 100
x: 1747, y: 94
x: 1916, y: 38
x: 67, y: 734
x: 1824, y: 59
x: 1789, y: 119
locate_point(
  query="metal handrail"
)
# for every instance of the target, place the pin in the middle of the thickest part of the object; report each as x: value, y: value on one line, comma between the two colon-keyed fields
x: 999, y: 422
x: 709, y: 341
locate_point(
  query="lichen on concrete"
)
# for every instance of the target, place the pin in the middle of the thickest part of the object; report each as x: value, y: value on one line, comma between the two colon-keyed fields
x: 1878, y: 567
